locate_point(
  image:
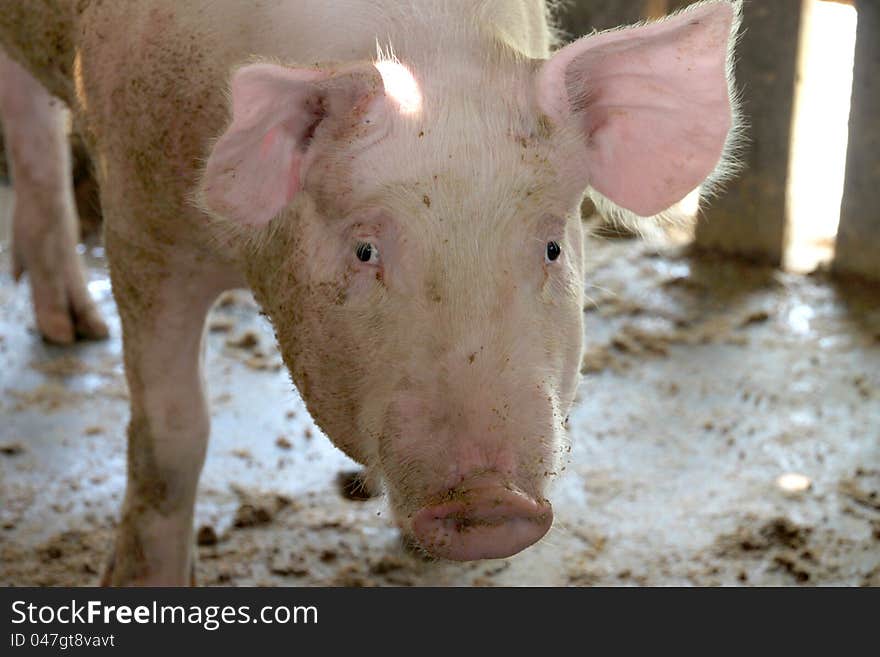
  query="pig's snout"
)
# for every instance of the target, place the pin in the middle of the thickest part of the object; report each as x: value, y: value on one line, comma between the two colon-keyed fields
x: 482, y: 519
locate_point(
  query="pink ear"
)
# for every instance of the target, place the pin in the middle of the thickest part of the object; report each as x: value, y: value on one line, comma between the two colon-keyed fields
x: 258, y: 165
x: 255, y: 169
x: 651, y: 102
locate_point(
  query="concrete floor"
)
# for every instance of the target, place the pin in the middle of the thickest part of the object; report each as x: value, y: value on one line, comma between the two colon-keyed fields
x: 705, y: 381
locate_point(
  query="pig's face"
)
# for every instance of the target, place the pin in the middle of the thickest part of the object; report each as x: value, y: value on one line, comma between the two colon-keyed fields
x: 427, y: 297
x: 419, y: 251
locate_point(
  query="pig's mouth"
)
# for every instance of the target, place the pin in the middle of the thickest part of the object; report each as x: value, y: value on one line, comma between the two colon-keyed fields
x: 490, y: 521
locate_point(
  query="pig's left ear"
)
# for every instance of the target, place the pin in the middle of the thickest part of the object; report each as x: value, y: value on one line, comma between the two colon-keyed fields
x: 257, y: 166
x: 651, y: 103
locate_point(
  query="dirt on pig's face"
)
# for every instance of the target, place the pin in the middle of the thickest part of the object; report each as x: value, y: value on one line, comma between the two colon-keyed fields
x: 427, y: 297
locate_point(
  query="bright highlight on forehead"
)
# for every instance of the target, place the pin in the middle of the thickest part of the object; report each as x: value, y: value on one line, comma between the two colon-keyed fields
x: 400, y: 85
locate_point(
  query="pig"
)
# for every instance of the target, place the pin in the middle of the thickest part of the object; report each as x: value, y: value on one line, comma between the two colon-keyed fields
x: 398, y: 183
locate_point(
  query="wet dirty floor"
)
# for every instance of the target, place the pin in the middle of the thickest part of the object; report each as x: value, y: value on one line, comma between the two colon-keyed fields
x: 705, y: 382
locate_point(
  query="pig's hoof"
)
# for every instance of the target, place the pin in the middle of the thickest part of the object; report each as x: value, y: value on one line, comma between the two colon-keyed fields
x: 44, y: 247
x: 63, y: 308
x: 66, y: 325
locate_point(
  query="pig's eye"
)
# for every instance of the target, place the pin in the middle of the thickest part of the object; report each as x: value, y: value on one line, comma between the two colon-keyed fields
x: 553, y: 251
x: 367, y: 252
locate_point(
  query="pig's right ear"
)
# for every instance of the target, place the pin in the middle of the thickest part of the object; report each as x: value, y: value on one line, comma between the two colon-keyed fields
x: 257, y: 166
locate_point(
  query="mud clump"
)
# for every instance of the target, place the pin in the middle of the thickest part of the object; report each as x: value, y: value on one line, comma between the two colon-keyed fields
x: 263, y: 363
x: 221, y: 325
x: 247, y: 340
x: 756, y: 317
x: 351, y: 577
x: 243, y: 454
x: 288, y: 564
x: 259, y: 509
x: 863, y: 488
x: 47, y: 397
x: 632, y: 340
x: 64, y: 545
x: 778, y: 532
x: 206, y: 536
x: 12, y: 449
x: 794, y: 565
x: 70, y: 558
x: 783, y: 543
x: 64, y: 366
x: 387, y: 564
x: 249, y: 350
x: 249, y: 515
x: 598, y: 359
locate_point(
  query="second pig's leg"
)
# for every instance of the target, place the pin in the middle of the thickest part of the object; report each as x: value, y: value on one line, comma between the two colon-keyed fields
x: 45, y: 224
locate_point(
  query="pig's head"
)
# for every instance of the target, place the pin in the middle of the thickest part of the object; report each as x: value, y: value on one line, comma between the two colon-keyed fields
x: 413, y: 232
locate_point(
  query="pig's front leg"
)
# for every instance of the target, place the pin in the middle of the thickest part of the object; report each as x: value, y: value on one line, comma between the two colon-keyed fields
x: 163, y: 308
x: 45, y: 225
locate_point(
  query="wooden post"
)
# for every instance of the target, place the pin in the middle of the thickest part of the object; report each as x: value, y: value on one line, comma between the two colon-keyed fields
x: 748, y: 219
x: 858, y: 239
x: 580, y: 18
x: 655, y: 8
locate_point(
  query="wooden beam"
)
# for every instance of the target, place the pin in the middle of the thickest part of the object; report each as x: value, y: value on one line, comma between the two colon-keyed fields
x: 580, y: 18
x: 749, y: 218
x: 655, y: 8
x: 858, y: 239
